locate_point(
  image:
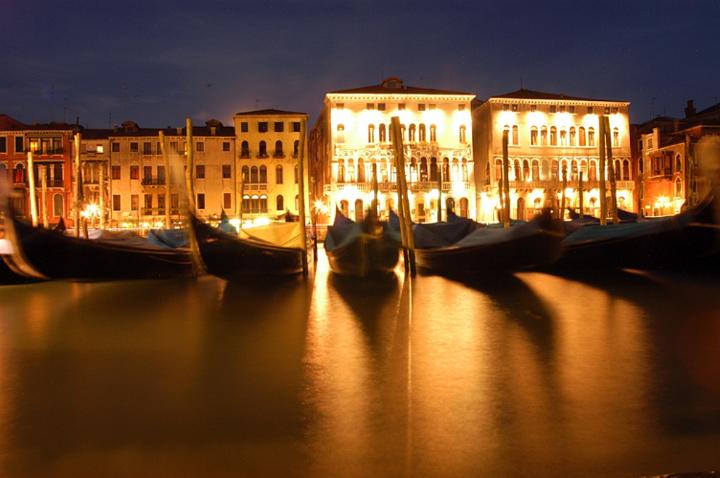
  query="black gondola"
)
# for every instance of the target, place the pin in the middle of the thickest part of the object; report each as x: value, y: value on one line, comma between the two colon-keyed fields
x: 43, y: 253
x: 234, y: 258
x: 462, y: 247
x: 366, y: 249
x: 661, y: 243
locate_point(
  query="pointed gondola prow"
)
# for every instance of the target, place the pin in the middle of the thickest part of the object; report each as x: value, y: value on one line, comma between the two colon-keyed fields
x: 197, y: 261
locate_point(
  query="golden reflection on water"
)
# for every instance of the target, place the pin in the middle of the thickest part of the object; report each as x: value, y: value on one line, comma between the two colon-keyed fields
x: 528, y: 375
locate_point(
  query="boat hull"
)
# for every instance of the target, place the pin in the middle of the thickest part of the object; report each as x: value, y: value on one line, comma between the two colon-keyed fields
x: 234, y: 258
x: 366, y: 256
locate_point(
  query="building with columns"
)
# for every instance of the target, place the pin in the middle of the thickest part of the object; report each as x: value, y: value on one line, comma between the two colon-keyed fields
x: 352, y: 136
x: 548, y: 133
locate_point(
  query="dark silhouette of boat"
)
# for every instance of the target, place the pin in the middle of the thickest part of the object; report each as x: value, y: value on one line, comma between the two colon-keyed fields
x: 367, y: 249
x: 50, y: 254
x: 234, y: 258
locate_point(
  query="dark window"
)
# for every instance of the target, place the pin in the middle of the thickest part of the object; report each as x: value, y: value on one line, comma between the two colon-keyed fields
x: 381, y: 106
x: 279, y: 175
x: 590, y: 110
x: 262, y: 126
x: 262, y: 153
x: 161, y: 174
x: 3, y: 144
x: 200, y: 171
x: 148, y: 204
x: 19, y: 146
x: 244, y: 150
x: 227, y: 200
x: 115, y: 171
x: 279, y: 203
x: 133, y: 202
x: 421, y: 106
x: 244, y: 127
x: 571, y: 109
x: 147, y: 173
x: 279, y: 149
x: 296, y: 147
x: 147, y: 148
x: 279, y: 126
x: 174, y: 201
x: 226, y: 145
x: 116, y: 202
x: 134, y: 172
x: 161, y: 204
x: 296, y: 126
x: 370, y: 106
x: 226, y: 171
x: 200, y: 146
x: 115, y: 147
x: 553, y: 108
x: 401, y: 106
x: 133, y: 147
x: 201, y: 201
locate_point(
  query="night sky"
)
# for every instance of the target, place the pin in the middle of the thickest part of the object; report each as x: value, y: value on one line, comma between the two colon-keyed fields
x: 156, y: 62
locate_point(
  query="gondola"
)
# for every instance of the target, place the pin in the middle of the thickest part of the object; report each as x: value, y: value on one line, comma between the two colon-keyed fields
x: 50, y: 254
x: 367, y: 249
x: 235, y: 258
x: 657, y: 244
x: 461, y: 247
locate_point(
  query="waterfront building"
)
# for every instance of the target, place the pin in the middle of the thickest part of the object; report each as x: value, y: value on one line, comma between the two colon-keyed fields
x: 267, y: 144
x: 665, y: 152
x: 51, y: 147
x: 548, y: 133
x: 352, y: 136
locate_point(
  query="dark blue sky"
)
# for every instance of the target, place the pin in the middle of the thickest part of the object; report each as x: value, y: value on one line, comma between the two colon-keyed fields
x: 157, y: 61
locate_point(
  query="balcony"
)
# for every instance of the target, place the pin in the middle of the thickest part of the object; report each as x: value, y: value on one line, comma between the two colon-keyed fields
x: 261, y: 155
x: 278, y: 155
x: 245, y: 155
x: 50, y: 152
x: 661, y: 173
x: 255, y: 186
x: 153, y: 182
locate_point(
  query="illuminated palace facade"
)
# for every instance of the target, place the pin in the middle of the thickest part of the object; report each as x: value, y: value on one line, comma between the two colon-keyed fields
x: 352, y: 135
x: 548, y: 133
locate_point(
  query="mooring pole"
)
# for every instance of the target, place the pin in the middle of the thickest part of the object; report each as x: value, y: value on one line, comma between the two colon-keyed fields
x: 301, y: 193
x: 603, y: 193
x: 506, y: 181
x: 31, y: 186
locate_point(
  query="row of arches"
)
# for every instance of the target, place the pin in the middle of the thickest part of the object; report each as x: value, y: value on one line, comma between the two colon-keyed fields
x: 53, y: 174
x: 419, y: 212
x: 262, y: 152
x: 534, y: 170
x: 258, y: 203
x: 553, y: 136
x: 255, y: 174
x: 382, y: 133
x: 417, y: 170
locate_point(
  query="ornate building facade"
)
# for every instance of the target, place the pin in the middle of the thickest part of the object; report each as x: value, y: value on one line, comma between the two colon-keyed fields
x: 548, y: 133
x: 352, y: 137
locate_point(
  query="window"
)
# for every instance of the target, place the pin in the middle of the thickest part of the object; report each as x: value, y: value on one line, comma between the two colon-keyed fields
x: 200, y: 171
x: 134, y: 202
x: 227, y: 200
x: 115, y: 171
x: 115, y: 147
x: 226, y: 145
x: 340, y: 135
x: 506, y: 107
x: 616, y: 138
x: 254, y: 174
x: 563, y: 137
x: 278, y: 174
x: 278, y: 150
x: 245, y: 174
x: 590, y: 110
x: 571, y: 109
x: 591, y: 137
x: 433, y: 133
x: 3, y: 144
x: 147, y: 174
x: 371, y: 133
x: 461, y: 107
x: 262, y: 150
x: 227, y: 171
x: 115, y: 202
x: 173, y: 146
x: 678, y: 163
x: 463, y: 138
x: 607, y: 110
x: 561, y: 108
x: 296, y: 175
x: 543, y: 135
x: 581, y: 136
x: 533, y: 107
x: 421, y: 106
x: 432, y: 106
x: 296, y: 126
x: 100, y: 149
x: 244, y: 150
x: 515, y: 135
x: 58, y: 204
x: 383, y: 133
x: 381, y: 106
x: 341, y: 171
x: 201, y: 201
x: 279, y: 203
x: 421, y: 132
x: 572, y: 136
x: 161, y: 204
x: 134, y: 172
x: 263, y: 174
x: 534, y: 136
x: 411, y: 133
x: 19, y: 176
x: 296, y: 147
x: 200, y: 147
x: 133, y: 147
x: 174, y: 202
x: 147, y: 148
x: 553, y: 109
x: 279, y: 126
x: 370, y: 106
x: 514, y: 107
x: 19, y: 146
x: 262, y: 126
x: 401, y: 106
x: 244, y: 127
x: 161, y: 174
x: 148, y: 204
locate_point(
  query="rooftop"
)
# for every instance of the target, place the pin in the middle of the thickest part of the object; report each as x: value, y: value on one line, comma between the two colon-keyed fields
x: 525, y: 94
x: 270, y: 112
x: 396, y: 86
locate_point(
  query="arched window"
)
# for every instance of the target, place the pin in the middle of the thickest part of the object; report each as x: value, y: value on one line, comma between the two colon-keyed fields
x: 383, y: 173
x: 515, y: 135
x: 584, y: 169
x: 545, y: 169
x: 340, y: 134
x: 361, y: 169
x: 464, y: 169
x: 341, y: 171
x: 554, y: 170
x: 423, y: 169
x: 678, y: 164
x: 413, y: 170
x: 244, y: 150
x: 563, y: 137
x: 297, y: 202
x: 463, y: 138
x: 296, y: 147
x: 534, y: 136
x: 371, y: 133
x: 678, y: 187
x: 19, y: 173
x: 591, y: 136
x: 450, y: 204
x: 535, y: 170
x: 254, y: 174
x: 498, y: 169
x: 359, y: 210
x: 344, y: 208
x: 433, y: 133
x: 263, y: 203
x: 383, y: 133
x: 246, y: 203
x: 572, y: 136
x: 262, y: 150
x: 402, y: 131
x: 245, y: 174
x: 455, y: 170
x: 618, y: 170
x: 446, y: 169
x: 433, y: 169
x: 626, y: 170
x: 278, y: 149
x: 581, y: 136
x: 351, y: 171
x: 411, y: 133
x: 58, y: 205
x: 526, y: 170
x: 254, y: 203
x: 573, y: 170
x: 421, y: 132
x: 592, y: 173
x: 543, y: 135
x: 553, y: 136
x: 279, y: 203
x: 263, y: 174
x: 517, y: 170
x: 278, y: 174
x: 616, y: 138
x: 463, y: 207
x: 487, y: 173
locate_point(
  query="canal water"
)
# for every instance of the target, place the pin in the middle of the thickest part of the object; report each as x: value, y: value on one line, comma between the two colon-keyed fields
x: 533, y: 375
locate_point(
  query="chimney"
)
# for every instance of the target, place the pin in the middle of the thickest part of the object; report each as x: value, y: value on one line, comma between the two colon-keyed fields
x: 689, y: 109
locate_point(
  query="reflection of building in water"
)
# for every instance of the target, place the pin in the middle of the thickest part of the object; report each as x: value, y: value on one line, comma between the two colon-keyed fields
x: 665, y: 152
x: 352, y: 136
x: 547, y: 134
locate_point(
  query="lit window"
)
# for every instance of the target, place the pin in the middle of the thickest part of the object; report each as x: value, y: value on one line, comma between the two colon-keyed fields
x: 100, y: 148
x: 534, y: 136
x: 371, y: 133
x: 515, y: 135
